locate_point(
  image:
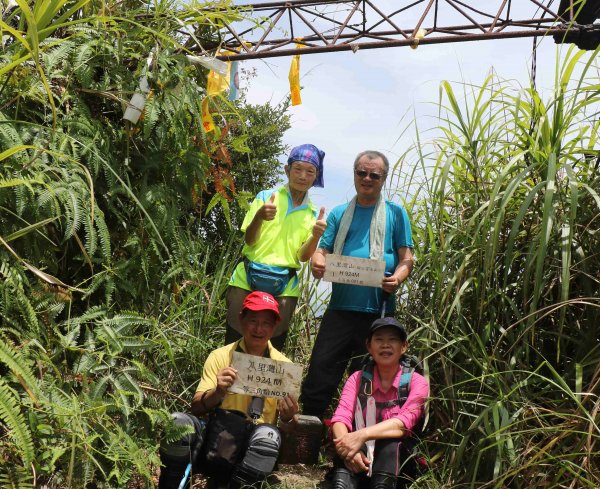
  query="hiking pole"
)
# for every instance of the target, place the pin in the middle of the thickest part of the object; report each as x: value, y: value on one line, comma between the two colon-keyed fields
x: 188, y: 469
x: 384, y: 296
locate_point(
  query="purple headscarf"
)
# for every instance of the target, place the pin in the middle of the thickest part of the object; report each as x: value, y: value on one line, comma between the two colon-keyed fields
x: 309, y: 153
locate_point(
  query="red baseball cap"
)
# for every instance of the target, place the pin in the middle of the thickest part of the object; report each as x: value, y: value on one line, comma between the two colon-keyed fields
x: 261, y: 301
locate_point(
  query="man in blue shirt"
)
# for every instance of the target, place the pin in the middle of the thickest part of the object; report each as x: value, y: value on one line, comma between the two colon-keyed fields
x: 366, y: 227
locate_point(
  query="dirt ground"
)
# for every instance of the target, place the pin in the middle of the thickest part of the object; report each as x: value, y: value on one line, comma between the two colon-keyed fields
x: 298, y: 476
x: 301, y: 476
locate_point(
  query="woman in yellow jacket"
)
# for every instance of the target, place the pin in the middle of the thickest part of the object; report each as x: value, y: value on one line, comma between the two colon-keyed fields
x: 281, y: 229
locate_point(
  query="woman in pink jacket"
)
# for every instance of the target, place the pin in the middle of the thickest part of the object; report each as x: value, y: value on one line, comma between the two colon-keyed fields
x: 379, y: 408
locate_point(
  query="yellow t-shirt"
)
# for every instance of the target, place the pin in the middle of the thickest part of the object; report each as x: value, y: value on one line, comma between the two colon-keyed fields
x: 221, y: 358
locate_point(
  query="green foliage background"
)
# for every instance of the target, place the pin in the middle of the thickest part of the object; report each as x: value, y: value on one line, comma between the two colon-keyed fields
x: 504, y: 303
x: 118, y: 241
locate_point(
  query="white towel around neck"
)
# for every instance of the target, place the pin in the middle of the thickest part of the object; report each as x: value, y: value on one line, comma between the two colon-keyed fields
x: 376, y: 232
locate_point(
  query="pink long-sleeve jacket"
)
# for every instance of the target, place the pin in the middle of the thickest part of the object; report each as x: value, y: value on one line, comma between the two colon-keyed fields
x: 409, y: 413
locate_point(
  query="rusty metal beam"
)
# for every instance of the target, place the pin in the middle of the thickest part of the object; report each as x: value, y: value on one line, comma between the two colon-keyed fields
x: 340, y: 25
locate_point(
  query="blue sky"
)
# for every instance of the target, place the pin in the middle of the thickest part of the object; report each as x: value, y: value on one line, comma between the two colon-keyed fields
x: 364, y: 100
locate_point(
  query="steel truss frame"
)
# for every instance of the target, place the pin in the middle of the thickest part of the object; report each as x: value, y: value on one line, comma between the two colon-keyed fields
x: 308, y: 26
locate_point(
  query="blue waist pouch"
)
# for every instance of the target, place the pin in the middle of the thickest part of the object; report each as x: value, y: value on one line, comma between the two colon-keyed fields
x: 268, y: 278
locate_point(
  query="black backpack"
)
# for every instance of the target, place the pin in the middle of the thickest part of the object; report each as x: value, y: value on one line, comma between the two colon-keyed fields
x: 409, y: 363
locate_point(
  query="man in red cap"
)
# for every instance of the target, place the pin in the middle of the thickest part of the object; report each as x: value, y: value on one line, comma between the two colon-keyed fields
x: 235, y: 421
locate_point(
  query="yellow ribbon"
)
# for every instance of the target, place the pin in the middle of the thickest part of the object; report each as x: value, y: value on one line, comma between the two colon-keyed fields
x: 217, y: 83
x: 294, y: 78
x: 207, y: 121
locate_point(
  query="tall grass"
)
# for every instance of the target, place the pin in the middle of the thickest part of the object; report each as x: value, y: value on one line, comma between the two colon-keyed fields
x: 505, y: 301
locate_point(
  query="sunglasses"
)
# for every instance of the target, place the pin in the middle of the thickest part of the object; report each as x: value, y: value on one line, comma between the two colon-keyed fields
x: 372, y: 175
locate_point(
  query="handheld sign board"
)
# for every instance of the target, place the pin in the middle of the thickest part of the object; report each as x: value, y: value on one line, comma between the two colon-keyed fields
x: 353, y: 271
x: 263, y: 377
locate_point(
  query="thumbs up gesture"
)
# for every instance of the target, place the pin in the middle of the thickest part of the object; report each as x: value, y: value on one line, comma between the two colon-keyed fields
x: 320, y: 225
x: 268, y: 211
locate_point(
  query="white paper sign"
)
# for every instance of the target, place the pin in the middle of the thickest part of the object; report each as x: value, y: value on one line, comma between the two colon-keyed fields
x: 263, y: 377
x: 354, y: 271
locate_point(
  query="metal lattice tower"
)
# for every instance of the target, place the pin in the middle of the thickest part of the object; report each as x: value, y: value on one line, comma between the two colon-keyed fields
x: 337, y: 25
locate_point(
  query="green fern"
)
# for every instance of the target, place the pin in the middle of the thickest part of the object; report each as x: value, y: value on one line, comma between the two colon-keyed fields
x: 123, y: 194
x: 12, y: 477
x: 10, y: 137
x: 152, y: 114
x: 26, y: 308
x: 83, y: 67
x: 18, y: 366
x: 103, y: 235
x: 99, y: 388
x: 56, y: 56
x: 15, y: 423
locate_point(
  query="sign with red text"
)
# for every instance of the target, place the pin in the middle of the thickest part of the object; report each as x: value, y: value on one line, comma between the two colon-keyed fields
x: 264, y: 377
x: 354, y: 271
